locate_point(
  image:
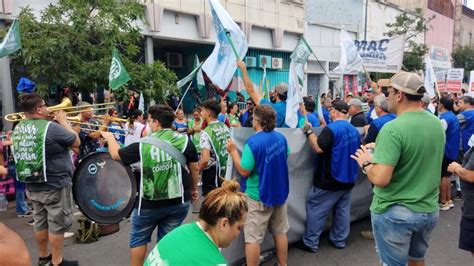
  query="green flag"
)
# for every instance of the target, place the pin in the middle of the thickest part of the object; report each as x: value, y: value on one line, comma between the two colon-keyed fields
x: 302, y: 52
x: 118, y: 74
x: 12, y: 41
x: 192, y: 75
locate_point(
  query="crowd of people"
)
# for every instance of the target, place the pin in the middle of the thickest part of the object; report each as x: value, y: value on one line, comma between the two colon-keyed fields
x: 408, y: 145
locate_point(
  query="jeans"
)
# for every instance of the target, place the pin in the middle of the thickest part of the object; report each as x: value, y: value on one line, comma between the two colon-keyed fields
x: 21, y: 206
x: 401, y: 234
x: 319, y: 204
x: 166, y: 218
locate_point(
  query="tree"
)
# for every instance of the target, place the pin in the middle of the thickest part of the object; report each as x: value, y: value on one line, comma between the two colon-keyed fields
x: 463, y: 57
x: 70, y: 45
x: 411, y: 25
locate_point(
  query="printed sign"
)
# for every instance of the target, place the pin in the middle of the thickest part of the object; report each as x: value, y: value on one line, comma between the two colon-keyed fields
x: 384, y: 55
x: 441, y: 80
x: 439, y: 57
x: 471, y: 82
x: 454, y: 79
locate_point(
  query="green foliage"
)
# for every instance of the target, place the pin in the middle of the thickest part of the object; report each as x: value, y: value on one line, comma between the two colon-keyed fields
x: 463, y: 57
x: 411, y: 25
x: 70, y: 44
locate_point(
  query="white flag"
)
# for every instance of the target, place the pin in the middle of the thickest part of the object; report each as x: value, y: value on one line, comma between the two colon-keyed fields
x: 350, y: 61
x: 430, y: 77
x: 220, y: 66
x: 141, y: 103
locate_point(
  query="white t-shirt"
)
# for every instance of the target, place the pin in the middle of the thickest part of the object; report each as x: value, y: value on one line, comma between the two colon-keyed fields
x: 134, y: 134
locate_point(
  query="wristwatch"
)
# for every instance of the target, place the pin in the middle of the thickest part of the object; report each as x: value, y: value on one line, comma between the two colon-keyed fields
x: 364, y: 165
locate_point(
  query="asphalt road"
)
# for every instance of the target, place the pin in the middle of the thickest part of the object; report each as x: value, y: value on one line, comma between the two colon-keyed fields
x: 113, y: 249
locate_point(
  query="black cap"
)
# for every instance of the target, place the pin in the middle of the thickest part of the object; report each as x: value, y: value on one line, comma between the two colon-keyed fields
x: 340, y: 106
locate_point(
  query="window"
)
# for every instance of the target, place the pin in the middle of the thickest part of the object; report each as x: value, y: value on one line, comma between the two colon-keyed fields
x: 443, y: 7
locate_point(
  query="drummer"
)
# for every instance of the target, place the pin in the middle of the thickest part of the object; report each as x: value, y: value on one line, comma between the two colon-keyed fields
x: 47, y: 170
x: 88, y: 131
x: 162, y: 206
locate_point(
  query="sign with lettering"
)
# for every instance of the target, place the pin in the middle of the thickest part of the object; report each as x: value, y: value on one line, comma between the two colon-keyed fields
x: 454, y: 79
x: 384, y: 55
x: 441, y: 80
x: 471, y: 82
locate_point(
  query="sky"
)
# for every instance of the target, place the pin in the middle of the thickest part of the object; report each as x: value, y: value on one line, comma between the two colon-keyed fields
x: 470, y: 4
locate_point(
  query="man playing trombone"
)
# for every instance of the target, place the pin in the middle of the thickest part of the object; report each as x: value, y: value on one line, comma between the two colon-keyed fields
x: 41, y: 152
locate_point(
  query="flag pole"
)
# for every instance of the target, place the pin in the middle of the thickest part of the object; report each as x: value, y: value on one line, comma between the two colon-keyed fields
x: 227, y: 34
x: 184, y: 94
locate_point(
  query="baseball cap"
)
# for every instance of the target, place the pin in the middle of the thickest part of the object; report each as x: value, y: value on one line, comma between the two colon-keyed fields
x: 281, y: 88
x: 383, y: 82
x: 350, y: 94
x: 340, y: 106
x: 355, y: 102
x: 408, y: 82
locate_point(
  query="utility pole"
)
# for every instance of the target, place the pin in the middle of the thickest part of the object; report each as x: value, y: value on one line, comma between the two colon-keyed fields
x: 365, y: 24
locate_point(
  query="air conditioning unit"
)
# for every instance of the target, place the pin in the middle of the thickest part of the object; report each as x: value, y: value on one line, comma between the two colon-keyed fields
x: 264, y: 61
x: 277, y: 63
x: 174, y: 60
x: 250, y: 61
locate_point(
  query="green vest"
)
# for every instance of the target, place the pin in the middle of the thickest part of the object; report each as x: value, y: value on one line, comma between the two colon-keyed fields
x: 196, y: 138
x: 233, y: 119
x: 218, y: 133
x: 29, y: 139
x: 161, y: 176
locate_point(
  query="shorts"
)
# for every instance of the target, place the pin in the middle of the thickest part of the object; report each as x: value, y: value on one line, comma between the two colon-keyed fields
x: 261, y: 217
x: 402, y: 235
x: 52, y: 210
x: 444, y: 167
x: 166, y: 219
x: 466, y: 234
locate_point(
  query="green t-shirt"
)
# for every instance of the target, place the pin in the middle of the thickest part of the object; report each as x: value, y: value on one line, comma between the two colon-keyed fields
x: 253, y: 182
x: 414, y: 144
x: 185, y: 245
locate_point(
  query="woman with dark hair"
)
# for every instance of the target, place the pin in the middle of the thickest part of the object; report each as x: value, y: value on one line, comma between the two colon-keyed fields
x: 136, y: 127
x: 221, y: 219
x: 232, y: 114
x: 116, y: 127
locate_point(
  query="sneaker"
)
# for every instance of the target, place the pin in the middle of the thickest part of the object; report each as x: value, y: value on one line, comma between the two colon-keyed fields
x: 68, y: 235
x: 444, y: 207
x: 45, y: 261
x: 28, y: 214
x: 69, y: 263
x: 450, y: 204
x: 31, y: 222
x: 367, y: 235
x: 302, y: 246
x: 458, y: 196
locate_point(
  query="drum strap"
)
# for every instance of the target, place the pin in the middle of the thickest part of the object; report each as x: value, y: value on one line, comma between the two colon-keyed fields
x: 168, y: 148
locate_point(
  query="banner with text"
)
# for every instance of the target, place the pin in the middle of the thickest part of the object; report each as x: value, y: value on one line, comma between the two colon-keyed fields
x: 384, y: 55
x: 471, y: 82
x: 441, y: 80
x: 454, y: 79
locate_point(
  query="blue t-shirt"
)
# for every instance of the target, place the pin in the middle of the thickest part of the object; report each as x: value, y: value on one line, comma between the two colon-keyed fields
x: 312, y: 119
x: 451, y: 148
x: 118, y: 132
x: 381, y: 121
x: 265, y: 155
x: 280, y: 109
x: 221, y: 117
x: 468, y: 128
x: 180, y: 127
x: 326, y: 115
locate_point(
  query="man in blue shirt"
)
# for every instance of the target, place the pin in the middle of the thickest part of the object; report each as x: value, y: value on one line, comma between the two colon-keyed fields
x: 381, y: 109
x: 326, y: 107
x: 264, y: 164
x: 280, y: 93
x: 451, y: 149
x: 333, y: 181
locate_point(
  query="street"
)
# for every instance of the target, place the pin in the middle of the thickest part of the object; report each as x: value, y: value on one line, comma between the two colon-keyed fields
x: 113, y: 249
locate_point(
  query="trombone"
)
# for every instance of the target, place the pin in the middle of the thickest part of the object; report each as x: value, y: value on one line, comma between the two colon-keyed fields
x: 66, y: 105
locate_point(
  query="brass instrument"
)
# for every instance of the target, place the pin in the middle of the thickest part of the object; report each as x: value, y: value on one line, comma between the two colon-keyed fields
x: 114, y: 119
x: 66, y: 105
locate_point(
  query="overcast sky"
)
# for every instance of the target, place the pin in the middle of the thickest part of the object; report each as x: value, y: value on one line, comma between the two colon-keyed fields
x: 470, y: 4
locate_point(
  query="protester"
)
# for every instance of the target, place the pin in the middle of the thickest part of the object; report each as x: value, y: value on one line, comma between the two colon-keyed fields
x: 371, y: 93
x: 50, y: 190
x: 333, y: 181
x: 326, y: 106
x: 194, y: 129
x: 88, y: 131
x: 159, y: 206
x: 136, y: 127
x: 213, y: 139
x: 246, y: 118
x: 264, y: 164
x: 115, y: 127
x: 451, y: 149
x: 222, y: 117
x: 358, y: 118
x: 384, y: 116
x: 221, y: 219
x: 312, y: 118
x: 466, y: 174
x: 280, y: 95
x: 180, y: 124
x: 426, y: 103
x: 13, y: 250
x: 405, y: 172
x: 232, y: 115
x: 466, y: 119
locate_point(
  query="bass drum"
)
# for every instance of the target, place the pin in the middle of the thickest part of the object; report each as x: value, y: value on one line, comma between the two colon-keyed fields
x: 104, y: 189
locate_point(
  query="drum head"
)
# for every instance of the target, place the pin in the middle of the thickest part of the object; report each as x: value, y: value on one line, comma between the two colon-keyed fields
x: 104, y: 189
